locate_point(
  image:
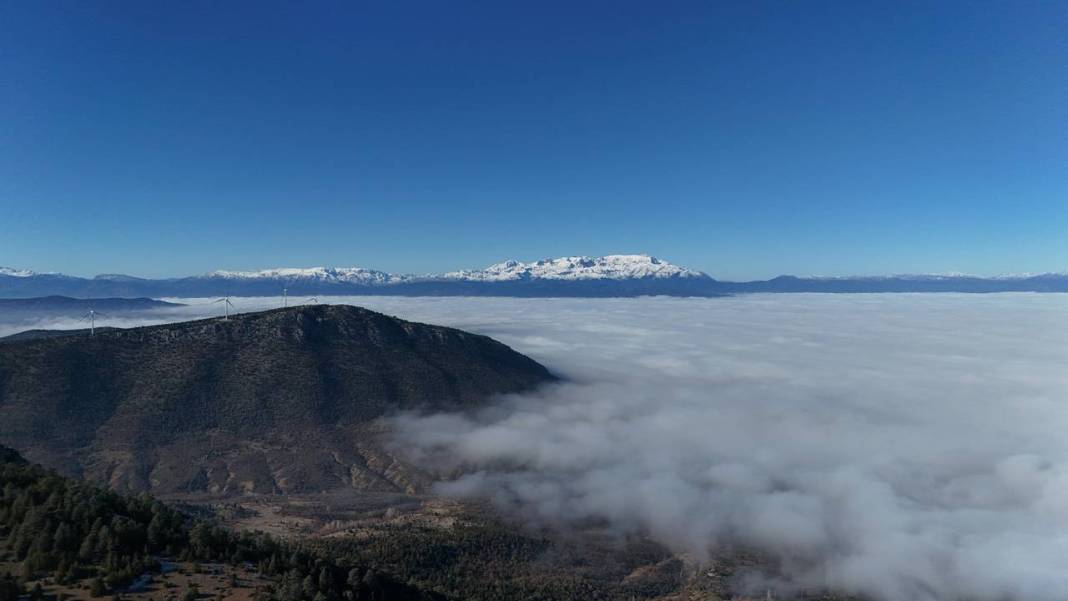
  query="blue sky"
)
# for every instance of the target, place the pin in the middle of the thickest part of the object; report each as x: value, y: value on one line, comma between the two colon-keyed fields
x: 745, y: 139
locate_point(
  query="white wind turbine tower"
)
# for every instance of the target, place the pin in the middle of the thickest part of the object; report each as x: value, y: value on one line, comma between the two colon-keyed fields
x: 285, y: 297
x: 91, y: 316
x: 226, y: 306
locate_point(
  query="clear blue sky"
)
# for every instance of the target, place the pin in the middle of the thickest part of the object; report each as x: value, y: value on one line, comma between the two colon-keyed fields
x: 745, y: 139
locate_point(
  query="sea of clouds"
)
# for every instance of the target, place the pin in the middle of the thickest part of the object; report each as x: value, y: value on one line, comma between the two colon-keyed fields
x: 905, y: 447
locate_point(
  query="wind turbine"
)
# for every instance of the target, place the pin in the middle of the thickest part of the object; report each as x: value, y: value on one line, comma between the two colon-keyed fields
x: 226, y: 306
x: 90, y: 315
x: 285, y: 297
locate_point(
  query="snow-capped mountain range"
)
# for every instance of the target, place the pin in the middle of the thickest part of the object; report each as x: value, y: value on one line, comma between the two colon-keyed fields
x: 353, y: 275
x: 612, y: 275
x: 611, y: 267
x: 16, y: 273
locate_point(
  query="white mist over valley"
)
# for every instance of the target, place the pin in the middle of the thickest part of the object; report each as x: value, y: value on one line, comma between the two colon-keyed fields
x: 896, y: 446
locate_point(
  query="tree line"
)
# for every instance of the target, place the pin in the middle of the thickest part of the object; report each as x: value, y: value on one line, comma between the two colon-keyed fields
x: 72, y: 531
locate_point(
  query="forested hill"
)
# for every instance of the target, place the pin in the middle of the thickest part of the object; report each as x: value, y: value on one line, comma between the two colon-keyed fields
x: 72, y: 531
x: 276, y: 401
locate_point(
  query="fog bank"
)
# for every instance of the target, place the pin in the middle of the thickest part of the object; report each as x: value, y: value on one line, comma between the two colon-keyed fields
x: 908, y: 447
x: 905, y: 447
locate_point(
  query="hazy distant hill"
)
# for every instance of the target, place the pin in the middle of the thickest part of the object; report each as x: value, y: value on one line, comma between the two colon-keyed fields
x: 65, y: 305
x: 278, y: 401
x: 609, y: 276
x: 39, y: 333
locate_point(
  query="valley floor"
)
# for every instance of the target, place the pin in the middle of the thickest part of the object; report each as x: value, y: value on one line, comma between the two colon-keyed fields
x: 468, y: 550
x: 187, y: 581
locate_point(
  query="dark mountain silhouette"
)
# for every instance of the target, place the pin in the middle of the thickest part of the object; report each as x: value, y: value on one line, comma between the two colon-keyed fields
x: 279, y: 401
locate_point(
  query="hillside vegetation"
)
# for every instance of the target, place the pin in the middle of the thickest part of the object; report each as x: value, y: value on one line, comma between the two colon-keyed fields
x: 73, y: 531
x: 280, y: 401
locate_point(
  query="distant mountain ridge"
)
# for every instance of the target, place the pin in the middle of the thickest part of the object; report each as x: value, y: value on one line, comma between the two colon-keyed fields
x: 577, y: 276
x: 65, y: 305
x: 46, y: 333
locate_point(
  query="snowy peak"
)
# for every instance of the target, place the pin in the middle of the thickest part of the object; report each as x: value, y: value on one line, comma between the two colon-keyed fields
x: 16, y: 273
x: 611, y: 267
x: 1028, y: 275
x: 340, y: 275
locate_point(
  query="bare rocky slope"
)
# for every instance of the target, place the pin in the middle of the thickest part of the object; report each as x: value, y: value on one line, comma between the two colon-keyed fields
x: 282, y: 401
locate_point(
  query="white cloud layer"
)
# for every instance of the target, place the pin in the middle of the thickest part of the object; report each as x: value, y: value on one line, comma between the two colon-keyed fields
x: 907, y: 447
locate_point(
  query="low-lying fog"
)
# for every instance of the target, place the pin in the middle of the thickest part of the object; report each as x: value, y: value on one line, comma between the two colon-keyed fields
x: 903, y: 446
